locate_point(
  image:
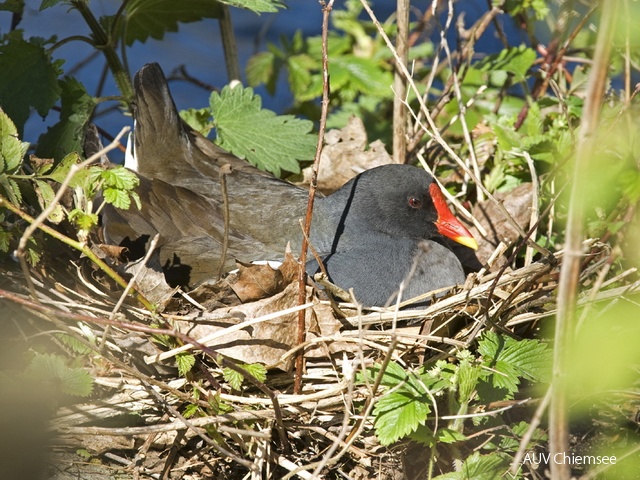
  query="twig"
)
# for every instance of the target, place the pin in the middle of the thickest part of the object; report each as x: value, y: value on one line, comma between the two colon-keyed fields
x: 39, y: 220
x: 302, y: 291
x: 400, y: 84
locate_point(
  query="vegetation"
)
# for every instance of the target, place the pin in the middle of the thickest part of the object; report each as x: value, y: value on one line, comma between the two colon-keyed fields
x: 537, y: 355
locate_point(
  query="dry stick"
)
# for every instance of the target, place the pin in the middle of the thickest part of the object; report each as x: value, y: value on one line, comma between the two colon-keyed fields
x: 134, y: 279
x: 156, y: 331
x: 570, y: 270
x: 438, y: 138
x: 478, y: 29
x: 400, y: 84
x: 302, y: 292
x: 553, y: 59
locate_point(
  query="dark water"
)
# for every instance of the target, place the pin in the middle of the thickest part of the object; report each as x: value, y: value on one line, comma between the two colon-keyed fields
x: 198, y: 46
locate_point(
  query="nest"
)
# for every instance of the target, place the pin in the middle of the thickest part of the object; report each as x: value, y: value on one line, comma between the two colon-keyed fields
x: 137, y: 417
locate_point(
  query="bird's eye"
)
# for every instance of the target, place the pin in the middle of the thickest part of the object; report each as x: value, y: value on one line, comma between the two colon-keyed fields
x: 414, y: 202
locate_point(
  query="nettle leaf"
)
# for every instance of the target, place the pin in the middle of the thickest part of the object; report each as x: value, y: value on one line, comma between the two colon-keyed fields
x: 62, y: 170
x: 68, y: 134
x: 360, y: 75
x: 116, y: 197
x: 257, y: 6
x: 514, y: 60
x: 269, y: 141
x: 12, y: 150
x: 185, y: 362
x: 152, y: 18
x: 29, y: 79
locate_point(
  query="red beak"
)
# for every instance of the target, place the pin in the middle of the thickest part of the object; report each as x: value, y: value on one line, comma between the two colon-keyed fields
x: 447, y: 224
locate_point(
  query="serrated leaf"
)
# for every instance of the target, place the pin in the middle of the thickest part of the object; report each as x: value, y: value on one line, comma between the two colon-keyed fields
x: 11, y: 189
x: 269, y: 141
x: 446, y: 435
x: 515, y: 60
x: 53, y: 369
x: 60, y: 172
x: 263, y: 68
x: 185, y: 362
x: 45, y: 196
x: 198, y: 119
x: 118, y: 198
x: 398, y: 414
x: 119, y: 177
x: 233, y: 378
x: 257, y: 6
x: 5, y: 238
x: 191, y: 410
x: 67, y: 135
x: 257, y: 370
x: 83, y: 220
x: 360, y: 75
x: 514, y: 359
x: 12, y: 150
x: 480, y: 467
x: 152, y: 18
x: 29, y: 79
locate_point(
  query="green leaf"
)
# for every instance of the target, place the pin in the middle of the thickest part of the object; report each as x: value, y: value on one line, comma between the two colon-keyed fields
x: 514, y: 359
x: 357, y: 75
x: 5, y: 239
x: 68, y: 134
x: 233, y: 378
x: 185, y: 362
x: 152, y: 18
x: 257, y: 6
x: 83, y: 220
x: 49, y: 3
x: 191, y: 411
x: 12, y: 150
x: 399, y: 413
x: 52, y: 369
x: 268, y: 141
x: 263, y: 68
x: 11, y: 188
x: 45, y: 196
x: 480, y: 467
x: 198, y: 119
x: 119, y: 177
x: 14, y: 6
x: 29, y: 79
x: 446, y: 435
x: 514, y: 60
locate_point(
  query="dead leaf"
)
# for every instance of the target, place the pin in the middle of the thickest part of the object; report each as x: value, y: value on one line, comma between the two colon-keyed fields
x: 254, y: 281
x: 268, y: 341
x: 151, y: 281
x: 345, y: 155
x: 518, y: 203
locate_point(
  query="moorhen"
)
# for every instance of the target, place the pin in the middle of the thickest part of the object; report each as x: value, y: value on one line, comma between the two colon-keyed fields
x: 371, y: 233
